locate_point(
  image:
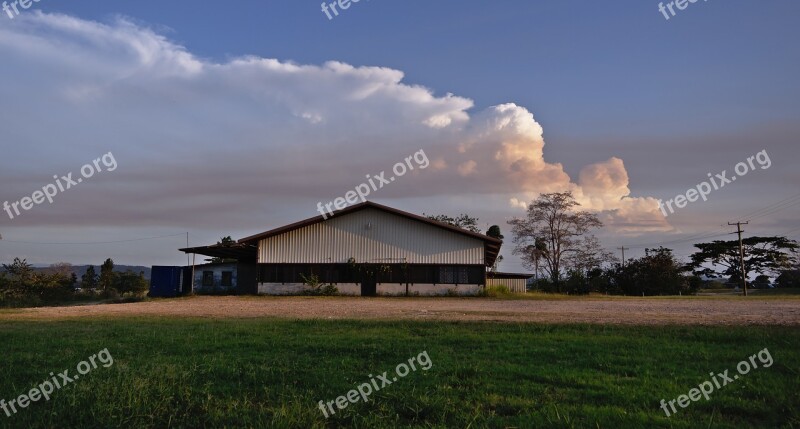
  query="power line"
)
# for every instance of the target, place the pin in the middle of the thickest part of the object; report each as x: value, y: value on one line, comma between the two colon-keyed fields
x: 678, y: 241
x: 775, y: 210
x: 95, y: 242
x: 792, y: 199
x: 787, y: 233
x: 764, y: 211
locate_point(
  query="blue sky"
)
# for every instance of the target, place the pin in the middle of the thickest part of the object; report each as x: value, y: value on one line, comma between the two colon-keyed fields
x: 564, y: 55
x: 672, y: 99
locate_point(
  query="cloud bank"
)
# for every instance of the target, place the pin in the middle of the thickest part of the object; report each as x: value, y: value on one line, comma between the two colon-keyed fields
x: 202, y: 139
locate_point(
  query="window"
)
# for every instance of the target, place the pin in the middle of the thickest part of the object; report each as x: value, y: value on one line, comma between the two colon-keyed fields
x: 421, y: 274
x: 330, y: 273
x: 208, y: 278
x: 447, y: 275
x: 463, y: 275
x: 227, y: 279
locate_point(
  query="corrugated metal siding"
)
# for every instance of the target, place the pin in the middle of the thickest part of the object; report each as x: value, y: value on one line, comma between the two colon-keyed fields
x: 514, y: 285
x: 390, y: 238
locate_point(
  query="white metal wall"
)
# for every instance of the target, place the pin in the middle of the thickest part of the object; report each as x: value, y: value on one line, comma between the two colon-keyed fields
x: 514, y: 285
x: 371, y: 236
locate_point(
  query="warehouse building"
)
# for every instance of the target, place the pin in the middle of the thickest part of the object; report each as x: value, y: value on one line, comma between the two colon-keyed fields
x: 367, y: 249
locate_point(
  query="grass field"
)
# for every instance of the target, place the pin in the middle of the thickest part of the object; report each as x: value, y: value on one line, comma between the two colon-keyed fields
x: 186, y: 373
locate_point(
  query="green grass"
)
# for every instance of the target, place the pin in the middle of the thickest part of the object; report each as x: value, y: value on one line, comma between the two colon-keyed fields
x: 188, y: 373
x: 782, y: 292
x: 791, y: 293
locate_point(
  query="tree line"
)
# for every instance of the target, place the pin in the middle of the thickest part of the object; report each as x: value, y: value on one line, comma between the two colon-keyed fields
x: 22, y: 284
x: 556, y: 238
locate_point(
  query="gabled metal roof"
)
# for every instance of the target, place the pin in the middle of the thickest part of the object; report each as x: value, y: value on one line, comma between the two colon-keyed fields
x: 491, y: 244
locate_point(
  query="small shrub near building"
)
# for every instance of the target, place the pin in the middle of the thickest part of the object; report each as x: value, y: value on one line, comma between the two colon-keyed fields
x: 317, y: 288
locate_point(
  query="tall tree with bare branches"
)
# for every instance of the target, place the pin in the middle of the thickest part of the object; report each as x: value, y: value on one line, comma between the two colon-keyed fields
x: 561, y: 232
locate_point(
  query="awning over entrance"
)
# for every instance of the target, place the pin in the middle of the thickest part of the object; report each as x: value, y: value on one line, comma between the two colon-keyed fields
x: 245, y: 253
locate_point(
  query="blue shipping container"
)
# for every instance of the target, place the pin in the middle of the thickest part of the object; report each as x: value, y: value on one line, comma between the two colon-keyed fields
x: 165, y: 282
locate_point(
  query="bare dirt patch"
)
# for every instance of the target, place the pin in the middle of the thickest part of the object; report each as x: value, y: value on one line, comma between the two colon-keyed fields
x: 629, y: 311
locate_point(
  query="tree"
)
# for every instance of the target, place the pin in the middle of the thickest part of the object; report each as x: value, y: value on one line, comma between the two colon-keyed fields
x: 63, y: 274
x: 790, y: 276
x: 553, y: 220
x: 224, y: 242
x: 586, y: 264
x: 130, y: 282
x: 494, y: 232
x: 536, y: 251
x: 589, y: 256
x: 789, y: 279
x: 762, y: 255
x: 52, y: 285
x: 463, y: 221
x: 761, y: 282
x: 656, y: 273
x: 21, y: 274
x: 5, y: 288
x: 106, y: 281
x: 89, y: 279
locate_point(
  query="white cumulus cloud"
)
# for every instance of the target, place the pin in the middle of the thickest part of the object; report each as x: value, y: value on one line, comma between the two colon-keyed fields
x: 195, y: 137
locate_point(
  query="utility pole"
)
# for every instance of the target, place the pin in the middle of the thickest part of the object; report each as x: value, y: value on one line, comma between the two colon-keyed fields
x: 741, y: 252
x: 623, y: 248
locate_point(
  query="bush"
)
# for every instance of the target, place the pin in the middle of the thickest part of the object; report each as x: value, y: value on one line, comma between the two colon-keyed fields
x: 24, y: 301
x: 543, y: 285
x: 130, y: 282
x: 577, y: 283
x: 129, y: 299
x: 329, y: 290
x: 656, y: 273
x: 761, y: 282
x: 789, y: 279
x: 495, y: 291
x: 110, y: 294
x: 714, y: 284
x: 317, y: 288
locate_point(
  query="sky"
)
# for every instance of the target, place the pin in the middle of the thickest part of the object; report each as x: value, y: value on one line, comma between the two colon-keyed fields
x: 232, y: 119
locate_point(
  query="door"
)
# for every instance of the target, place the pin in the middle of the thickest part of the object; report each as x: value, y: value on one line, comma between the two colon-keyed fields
x: 369, y: 286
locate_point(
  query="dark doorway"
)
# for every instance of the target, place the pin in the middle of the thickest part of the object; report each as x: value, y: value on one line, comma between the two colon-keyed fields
x: 369, y: 286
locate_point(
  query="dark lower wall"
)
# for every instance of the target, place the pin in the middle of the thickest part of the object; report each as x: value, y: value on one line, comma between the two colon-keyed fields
x: 380, y: 273
x: 247, y: 279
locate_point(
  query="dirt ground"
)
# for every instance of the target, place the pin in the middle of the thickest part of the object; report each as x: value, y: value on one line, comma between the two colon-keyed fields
x: 633, y: 311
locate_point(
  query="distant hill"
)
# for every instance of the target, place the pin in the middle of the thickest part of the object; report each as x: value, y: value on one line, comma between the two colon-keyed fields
x: 80, y: 270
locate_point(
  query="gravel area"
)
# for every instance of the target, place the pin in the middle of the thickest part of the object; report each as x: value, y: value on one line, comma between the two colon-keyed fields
x: 630, y: 311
